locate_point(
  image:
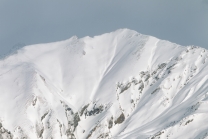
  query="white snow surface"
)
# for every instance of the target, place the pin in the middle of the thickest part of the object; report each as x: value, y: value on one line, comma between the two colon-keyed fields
x: 119, y: 85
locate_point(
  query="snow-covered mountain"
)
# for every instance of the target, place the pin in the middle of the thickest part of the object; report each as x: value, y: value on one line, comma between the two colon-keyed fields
x: 121, y: 85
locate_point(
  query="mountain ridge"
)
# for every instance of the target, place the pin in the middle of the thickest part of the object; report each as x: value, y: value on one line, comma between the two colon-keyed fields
x: 117, y: 85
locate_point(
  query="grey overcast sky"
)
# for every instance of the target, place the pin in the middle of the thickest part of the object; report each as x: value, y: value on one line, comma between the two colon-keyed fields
x: 40, y: 21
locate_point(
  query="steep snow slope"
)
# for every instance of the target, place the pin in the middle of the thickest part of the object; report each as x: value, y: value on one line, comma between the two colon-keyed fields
x: 117, y: 85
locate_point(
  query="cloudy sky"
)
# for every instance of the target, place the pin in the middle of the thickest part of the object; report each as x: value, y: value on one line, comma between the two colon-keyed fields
x: 36, y: 21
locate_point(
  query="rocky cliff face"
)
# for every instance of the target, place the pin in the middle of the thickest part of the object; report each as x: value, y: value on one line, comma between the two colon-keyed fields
x: 117, y: 85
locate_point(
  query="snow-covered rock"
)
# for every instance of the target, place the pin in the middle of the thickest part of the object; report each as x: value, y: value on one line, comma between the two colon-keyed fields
x: 121, y: 85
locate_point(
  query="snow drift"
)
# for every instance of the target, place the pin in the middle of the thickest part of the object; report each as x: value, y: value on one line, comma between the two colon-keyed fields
x: 121, y: 85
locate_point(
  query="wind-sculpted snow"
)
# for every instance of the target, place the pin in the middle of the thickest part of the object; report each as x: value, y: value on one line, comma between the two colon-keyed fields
x: 120, y: 85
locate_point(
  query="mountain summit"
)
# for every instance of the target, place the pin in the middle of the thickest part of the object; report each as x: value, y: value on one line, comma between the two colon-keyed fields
x: 119, y: 85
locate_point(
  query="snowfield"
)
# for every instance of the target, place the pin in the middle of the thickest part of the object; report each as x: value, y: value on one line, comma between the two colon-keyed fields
x: 119, y: 85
